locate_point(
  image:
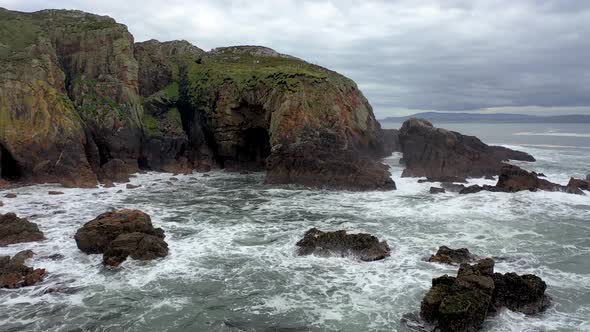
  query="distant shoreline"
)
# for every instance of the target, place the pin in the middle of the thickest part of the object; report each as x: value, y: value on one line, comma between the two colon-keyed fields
x: 491, y: 118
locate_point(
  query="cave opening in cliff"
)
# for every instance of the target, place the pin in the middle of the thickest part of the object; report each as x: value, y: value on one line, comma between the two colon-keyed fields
x: 255, y: 148
x: 9, y: 168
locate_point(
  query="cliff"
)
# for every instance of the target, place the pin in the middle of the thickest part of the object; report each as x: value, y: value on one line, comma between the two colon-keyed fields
x: 81, y: 102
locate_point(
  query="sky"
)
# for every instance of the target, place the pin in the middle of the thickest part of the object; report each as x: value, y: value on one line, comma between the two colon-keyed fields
x: 407, y: 56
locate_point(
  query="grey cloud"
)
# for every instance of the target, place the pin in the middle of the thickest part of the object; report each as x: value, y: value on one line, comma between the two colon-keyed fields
x: 430, y: 55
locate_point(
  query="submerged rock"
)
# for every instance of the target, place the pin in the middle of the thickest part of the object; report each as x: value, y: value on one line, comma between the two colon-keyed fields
x: 17, y: 230
x: 131, y: 186
x: 452, y: 187
x: 120, y: 234
x: 462, y: 303
x: 446, y: 179
x: 447, y: 255
x: 54, y: 193
x: 363, y: 246
x: 436, y: 190
x: 434, y: 152
x: 10, y: 195
x: 15, y: 274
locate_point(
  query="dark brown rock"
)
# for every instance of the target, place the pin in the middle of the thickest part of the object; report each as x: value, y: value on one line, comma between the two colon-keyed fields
x: 15, y: 274
x: 95, y: 236
x: 462, y: 303
x: 524, y: 293
x: 433, y: 152
x: 53, y: 193
x: 10, y: 195
x: 514, y: 178
x: 575, y: 186
x: 140, y: 246
x: 447, y: 255
x: 362, y: 246
x: 17, y: 230
x: 1, y: 204
x: 436, y: 190
x: 131, y: 186
x: 391, y: 141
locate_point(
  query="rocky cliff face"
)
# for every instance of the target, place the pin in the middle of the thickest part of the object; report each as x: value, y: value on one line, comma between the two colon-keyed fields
x: 81, y: 102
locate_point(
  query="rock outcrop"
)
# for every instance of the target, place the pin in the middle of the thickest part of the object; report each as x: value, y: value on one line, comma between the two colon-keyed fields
x: 80, y: 102
x: 513, y: 179
x: 437, y: 190
x: 363, y: 246
x: 435, y: 152
x: 120, y: 234
x: 15, y: 274
x: 447, y: 255
x: 462, y: 303
x: 17, y: 230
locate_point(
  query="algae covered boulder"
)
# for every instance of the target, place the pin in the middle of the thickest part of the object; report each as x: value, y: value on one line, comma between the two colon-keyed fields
x: 365, y: 247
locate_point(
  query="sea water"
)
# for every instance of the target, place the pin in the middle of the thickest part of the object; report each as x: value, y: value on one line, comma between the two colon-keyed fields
x: 232, y: 264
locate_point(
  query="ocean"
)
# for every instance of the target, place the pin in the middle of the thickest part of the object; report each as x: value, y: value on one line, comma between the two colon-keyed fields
x: 232, y: 263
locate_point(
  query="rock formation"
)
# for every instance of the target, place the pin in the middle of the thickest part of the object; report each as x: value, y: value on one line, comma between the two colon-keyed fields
x: 17, y: 230
x: 447, y: 255
x: 120, y: 234
x: 513, y: 179
x: 362, y: 246
x: 80, y: 102
x: 15, y: 274
x: 435, y: 152
x: 462, y: 303
x: 437, y: 190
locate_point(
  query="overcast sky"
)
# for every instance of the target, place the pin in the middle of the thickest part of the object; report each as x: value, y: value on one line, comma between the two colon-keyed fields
x: 525, y: 56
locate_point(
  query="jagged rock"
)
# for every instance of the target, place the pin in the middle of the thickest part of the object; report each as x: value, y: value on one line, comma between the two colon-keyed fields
x: 17, y: 230
x: 524, y: 293
x: 54, y: 193
x: 96, y: 235
x: 430, y: 151
x: 436, y: 190
x: 447, y: 255
x: 514, y: 179
x: 362, y: 246
x: 137, y: 245
x: 462, y: 303
x: 576, y: 185
x: 15, y: 274
x: 10, y: 195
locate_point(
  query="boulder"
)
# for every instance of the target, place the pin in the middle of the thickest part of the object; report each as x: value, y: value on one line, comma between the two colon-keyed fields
x: 433, y: 152
x: 525, y: 294
x: 96, y: 235
x: 436, y: 190
x: 462, y: 303
x: 363, y: 246
x: 447, y: 255
x: 17, y: 230
x: 15, y: 274
x: 140, y: 246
